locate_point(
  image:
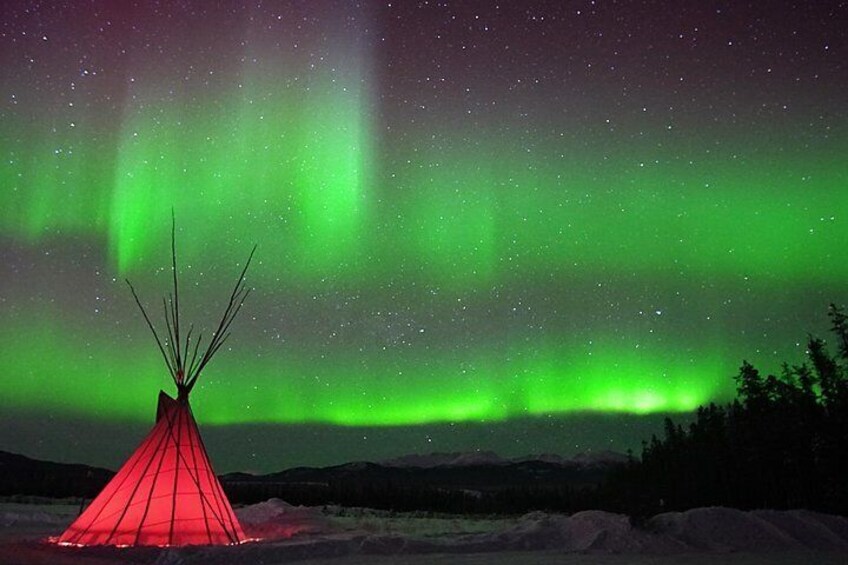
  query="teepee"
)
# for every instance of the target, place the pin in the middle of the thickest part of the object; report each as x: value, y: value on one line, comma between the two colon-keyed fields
x: 167, y: 494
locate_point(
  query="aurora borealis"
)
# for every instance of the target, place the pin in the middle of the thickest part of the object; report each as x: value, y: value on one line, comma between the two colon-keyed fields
x: 470, y: 216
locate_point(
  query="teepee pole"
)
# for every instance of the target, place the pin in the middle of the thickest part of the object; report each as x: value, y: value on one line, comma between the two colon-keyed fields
x: 220, y: 335
x: 174, y: 351
x: 175, y: 301
x: 171, y: 368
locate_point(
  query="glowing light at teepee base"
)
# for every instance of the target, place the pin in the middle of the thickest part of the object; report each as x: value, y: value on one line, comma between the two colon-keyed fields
x: 165, y: 494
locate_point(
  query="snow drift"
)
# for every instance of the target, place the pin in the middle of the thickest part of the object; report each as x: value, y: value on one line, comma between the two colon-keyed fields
x: 712, y: 529
x: 286, y: 533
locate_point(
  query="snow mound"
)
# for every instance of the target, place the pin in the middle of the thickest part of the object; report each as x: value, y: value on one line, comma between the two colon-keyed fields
x: 277, y: 519
x: 809, y: 529
x: 590, y: 531
x: 728, y: 529
x: 264, y: 511
x: 594, y: 530
x: 29, y: 517
x: 713, y: 529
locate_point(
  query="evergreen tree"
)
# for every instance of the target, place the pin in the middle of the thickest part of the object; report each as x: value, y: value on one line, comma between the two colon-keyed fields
x: 780, y: 444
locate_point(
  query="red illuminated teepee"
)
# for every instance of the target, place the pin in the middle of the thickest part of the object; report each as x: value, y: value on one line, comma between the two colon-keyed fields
x: 167, y: 493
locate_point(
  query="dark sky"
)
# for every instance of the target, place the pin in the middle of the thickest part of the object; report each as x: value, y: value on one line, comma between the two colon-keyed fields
x: 523, y: 227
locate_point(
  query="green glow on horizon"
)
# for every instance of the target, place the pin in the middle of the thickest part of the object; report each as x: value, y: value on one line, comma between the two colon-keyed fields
x: 355, y: 390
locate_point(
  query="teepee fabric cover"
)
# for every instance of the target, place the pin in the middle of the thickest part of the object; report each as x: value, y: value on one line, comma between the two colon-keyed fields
x: 166, y: 494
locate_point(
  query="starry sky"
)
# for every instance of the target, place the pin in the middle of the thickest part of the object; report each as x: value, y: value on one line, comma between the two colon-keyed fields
x: 520, y: 226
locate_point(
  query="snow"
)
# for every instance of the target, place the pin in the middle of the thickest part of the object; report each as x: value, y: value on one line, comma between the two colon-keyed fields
x: 276, y: 519
x: 15, y: 514
x: 726, y: 529
x: 333, y: 534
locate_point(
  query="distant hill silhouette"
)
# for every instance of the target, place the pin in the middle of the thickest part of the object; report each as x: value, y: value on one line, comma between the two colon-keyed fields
x: 452, y: 482
x: 456, y: 482
x: 25, y: 476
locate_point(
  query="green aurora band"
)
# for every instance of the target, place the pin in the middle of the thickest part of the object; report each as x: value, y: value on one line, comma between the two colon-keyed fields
x: 299, y: 177
x: 375, y: 391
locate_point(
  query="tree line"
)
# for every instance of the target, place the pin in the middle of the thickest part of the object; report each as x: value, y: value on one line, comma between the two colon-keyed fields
x: 782, y: 443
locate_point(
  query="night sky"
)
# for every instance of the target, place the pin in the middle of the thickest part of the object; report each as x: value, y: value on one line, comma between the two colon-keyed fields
x: 522, y: 227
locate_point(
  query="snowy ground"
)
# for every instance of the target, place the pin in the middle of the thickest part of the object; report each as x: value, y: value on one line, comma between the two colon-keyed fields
x: 344, y: 536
